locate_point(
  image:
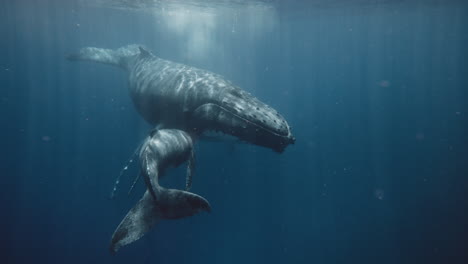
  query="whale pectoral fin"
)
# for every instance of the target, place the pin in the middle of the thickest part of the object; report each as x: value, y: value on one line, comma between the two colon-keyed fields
x: 190, y: 170
x: 139, y: 220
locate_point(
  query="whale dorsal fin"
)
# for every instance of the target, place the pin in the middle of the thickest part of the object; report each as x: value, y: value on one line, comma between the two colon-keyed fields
x: 144, y: 53
x: 153, y: 132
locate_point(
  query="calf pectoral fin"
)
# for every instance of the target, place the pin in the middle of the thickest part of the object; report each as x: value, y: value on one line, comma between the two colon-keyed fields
x: 139, y: 220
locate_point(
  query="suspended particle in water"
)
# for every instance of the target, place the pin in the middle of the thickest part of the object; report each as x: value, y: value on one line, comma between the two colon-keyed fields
x: 45, y: 138
x: 420, y: 136
x: 379, y: 194
x: 384, y: 83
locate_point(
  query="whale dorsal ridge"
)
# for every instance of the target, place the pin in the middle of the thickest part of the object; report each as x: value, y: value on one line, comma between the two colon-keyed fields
x: 144, y: 53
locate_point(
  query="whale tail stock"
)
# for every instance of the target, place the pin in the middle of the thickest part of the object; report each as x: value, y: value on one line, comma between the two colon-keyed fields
x: 118, y: 57
x: 171, y: 204
x: 106, y: 56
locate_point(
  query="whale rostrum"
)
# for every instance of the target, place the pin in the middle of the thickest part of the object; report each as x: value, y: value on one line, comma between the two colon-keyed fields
x: 174, y: 95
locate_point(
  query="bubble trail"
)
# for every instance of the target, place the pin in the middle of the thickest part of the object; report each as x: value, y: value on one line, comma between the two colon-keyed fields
x: 122, y: 172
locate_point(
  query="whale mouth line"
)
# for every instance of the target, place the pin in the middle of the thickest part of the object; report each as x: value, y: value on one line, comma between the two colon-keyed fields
x: 254, y: 124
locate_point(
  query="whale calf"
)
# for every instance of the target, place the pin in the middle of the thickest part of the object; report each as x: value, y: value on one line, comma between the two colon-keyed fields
x: 164, y: 148
x: 174, y: 95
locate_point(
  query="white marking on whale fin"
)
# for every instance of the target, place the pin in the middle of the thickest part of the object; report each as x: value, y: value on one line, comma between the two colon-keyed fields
x: 144, y: 53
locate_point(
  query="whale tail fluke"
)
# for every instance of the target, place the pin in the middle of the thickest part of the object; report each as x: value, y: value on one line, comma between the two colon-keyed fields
x: 175, y: 204
x: 118, y: 57
x: 139, y: 220
x: 106, y: 56
x: 171, y: 204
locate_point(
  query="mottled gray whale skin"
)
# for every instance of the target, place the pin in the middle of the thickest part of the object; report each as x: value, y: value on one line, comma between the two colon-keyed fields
x: 162, y: 149
x: 174, y: 95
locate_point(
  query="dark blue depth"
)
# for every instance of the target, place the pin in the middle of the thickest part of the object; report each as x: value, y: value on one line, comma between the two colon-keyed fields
x: 376, y: 93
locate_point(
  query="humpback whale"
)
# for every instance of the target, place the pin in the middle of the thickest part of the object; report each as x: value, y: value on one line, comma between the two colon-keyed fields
x: 164, y: 148
x: 174, y: 95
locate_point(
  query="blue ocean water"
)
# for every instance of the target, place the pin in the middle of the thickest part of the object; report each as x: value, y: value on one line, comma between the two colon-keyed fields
x: 376, y: 93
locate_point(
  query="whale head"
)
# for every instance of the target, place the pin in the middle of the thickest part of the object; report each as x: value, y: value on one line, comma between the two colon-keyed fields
x: 242, y: 115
